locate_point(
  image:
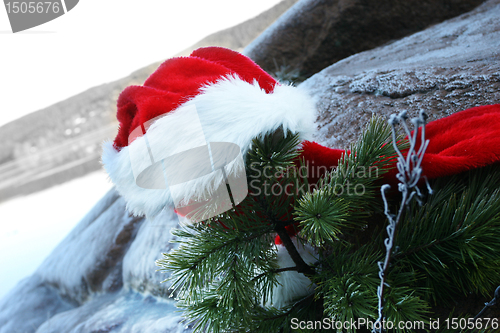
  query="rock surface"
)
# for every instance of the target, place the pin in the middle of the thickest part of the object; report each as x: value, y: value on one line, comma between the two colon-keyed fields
x: 446, y: 68
x: 314, y: 34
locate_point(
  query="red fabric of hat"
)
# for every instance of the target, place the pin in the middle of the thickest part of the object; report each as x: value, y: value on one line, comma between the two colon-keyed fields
x: 179, y: 79
x: 462, y: 141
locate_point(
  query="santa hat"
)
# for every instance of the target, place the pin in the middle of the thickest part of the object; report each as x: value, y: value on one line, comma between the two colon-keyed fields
x: 184, y: 133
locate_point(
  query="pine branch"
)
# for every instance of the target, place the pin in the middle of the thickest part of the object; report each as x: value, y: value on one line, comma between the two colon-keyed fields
x: 453, y: 239
x: 226, y: 266
x: 279, y: 270
x: 302, y: 267
x: 204, y: 254
x: 296, y: 305
x: 417, y: 249
x: 336, y: 205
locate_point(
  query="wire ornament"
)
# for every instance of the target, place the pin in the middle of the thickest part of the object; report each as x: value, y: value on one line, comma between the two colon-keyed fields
x: 409, y: 174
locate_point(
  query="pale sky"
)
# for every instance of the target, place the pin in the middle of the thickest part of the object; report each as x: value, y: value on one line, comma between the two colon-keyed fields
x: 102, y: 41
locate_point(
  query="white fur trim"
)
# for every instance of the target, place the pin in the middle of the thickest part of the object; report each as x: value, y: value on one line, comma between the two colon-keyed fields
x: 292, y: 285
x: 230, y: 110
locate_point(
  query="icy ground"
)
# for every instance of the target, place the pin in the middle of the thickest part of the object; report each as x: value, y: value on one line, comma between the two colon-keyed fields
x: 32, y: 226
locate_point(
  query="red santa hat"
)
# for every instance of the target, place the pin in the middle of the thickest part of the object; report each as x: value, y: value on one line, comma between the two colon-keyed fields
x: 213, y: 96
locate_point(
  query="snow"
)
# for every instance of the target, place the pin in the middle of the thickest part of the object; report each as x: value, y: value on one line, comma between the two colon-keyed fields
x: 33, y: 225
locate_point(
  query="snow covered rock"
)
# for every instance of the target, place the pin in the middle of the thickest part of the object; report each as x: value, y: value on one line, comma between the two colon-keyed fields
x: 84, y: 262
x: 139, y: 264
x: 314, y: 34
x: 446, y: 68
x: 101, y: 278
x: 29, y: 304
x: 126, y: 311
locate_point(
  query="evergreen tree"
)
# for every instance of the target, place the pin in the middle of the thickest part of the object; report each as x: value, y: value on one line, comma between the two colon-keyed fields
x: 444, y: 262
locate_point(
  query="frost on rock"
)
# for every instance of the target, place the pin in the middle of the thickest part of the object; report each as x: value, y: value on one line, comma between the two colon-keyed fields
x: 444, y: 69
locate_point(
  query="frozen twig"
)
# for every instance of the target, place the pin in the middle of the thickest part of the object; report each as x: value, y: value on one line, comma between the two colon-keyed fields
x: 409, y: 173
x: 493, y: 302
